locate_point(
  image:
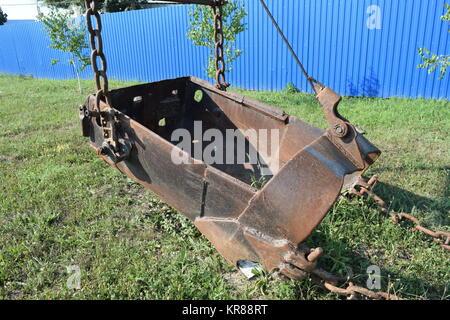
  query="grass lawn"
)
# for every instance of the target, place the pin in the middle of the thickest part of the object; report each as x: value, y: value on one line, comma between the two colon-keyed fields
x: 60, y: 206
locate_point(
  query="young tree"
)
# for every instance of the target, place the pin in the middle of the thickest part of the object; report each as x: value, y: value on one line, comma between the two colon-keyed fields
x: 433, y: 61
x: 201, y: 31
x: 3, y: 17
x: 68, y: 37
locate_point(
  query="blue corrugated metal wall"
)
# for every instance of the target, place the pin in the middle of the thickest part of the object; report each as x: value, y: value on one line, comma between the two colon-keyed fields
x: 358, y: 47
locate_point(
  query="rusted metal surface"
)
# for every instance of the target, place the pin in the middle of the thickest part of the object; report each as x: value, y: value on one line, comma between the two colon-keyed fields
x: 267, y: 225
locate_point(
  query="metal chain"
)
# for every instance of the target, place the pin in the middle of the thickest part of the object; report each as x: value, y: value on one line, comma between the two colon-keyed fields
x: 353, y: 291
x: 219, y: 39
x: 303, y: 262
x: 107, y: 117
x: 364, y: 187
x: 97, y: 48
x: 330, y: 281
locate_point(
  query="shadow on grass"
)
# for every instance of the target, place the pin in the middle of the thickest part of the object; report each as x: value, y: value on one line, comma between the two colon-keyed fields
x: 399, y: 199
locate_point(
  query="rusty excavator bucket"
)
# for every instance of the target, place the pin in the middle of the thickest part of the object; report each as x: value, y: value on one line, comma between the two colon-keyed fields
x: 266, y: 225
x: 132, y: 129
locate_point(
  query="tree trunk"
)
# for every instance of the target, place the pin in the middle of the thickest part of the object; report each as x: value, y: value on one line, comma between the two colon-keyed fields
x: 77, y: 73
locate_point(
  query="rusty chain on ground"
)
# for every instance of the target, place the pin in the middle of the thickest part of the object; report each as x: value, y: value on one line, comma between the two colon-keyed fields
x: 218, y: 40
x: 364, y: 187
x: 353, y: 291
x: 330, y: 282
x: 303, y: 262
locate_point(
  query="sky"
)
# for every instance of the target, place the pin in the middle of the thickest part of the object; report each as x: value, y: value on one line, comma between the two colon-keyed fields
x: 21, y: 9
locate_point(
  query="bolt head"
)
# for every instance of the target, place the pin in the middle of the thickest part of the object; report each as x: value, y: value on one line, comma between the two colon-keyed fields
x: 339, y: 130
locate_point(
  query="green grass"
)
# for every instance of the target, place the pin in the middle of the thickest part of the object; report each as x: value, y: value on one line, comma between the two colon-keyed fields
x: 61, y: 206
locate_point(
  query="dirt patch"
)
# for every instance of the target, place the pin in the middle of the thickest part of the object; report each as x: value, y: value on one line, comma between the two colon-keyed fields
x: 236, y: 280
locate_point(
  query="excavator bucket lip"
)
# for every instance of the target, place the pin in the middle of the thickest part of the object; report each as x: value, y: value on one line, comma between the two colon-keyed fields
x: 261, y: 107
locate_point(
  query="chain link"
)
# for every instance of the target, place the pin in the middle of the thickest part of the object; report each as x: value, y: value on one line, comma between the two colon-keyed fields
x: 364, y: 188
x: 219, y: 39
x: 107, y: 117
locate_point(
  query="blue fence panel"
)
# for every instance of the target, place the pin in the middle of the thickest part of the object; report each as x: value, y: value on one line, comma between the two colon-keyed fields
x: 358, y: 47
x: 25, y: 49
